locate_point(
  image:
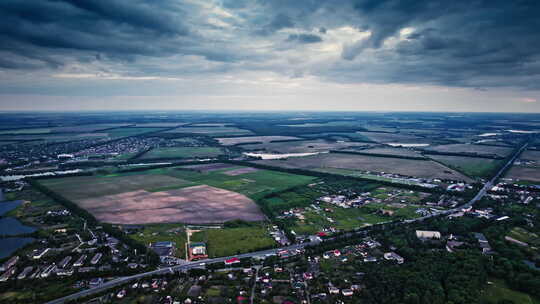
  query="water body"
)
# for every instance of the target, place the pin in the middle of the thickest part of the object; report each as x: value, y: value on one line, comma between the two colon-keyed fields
x: 12, y: 226
x: 407, y: 145
x: 6, y: 207
x: 279, y: 156
x: 10, y: 245
x: 522, y: 131
x: 488, y: 134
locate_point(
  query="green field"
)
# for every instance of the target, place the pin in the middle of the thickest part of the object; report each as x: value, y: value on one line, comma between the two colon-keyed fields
x: 163, y: 232
x: 351, y: 218
x: 231, y: 241
x: 182, y: 152
x: 498, y: 291
x: 471, y: 166
x: 215, y: 131
x: 251, y: 184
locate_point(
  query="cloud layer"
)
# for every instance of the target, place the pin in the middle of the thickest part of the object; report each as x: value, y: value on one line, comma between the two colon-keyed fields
x: 55, y: 46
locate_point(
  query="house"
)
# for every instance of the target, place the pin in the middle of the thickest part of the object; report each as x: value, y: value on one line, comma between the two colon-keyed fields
x: 451, y: 245
x: 10, y: 263
x: 197, y: 251
x: 232, y: 261
x: 392, y: 256
x: 428, y: 235
x: 96, y: 258
x: 38, y: 254
x: 80, y: 261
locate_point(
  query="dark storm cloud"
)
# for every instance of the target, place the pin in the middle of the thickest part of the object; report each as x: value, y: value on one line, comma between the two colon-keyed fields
x: 304, y: 38
x: 478, y: 43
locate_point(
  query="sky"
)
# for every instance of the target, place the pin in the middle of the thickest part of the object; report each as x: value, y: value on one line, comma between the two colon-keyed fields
x: 358, y: 55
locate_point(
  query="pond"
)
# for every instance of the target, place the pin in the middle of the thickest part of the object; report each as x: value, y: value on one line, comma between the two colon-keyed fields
x: 10, y: 245
x: 12, y: 226
x: 6, y: 207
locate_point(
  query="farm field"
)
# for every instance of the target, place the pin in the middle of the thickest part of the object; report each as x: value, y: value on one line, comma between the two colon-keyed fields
x: 405, y: 167
x: 531, y: 155
x: 521, y: 173
x: 194, y: 205
x: 175, y: 194
x: 213, y: 131
x: 394, y: 138
x: 471, y: 166
x: 182, y: 152
x: 474, y: 149
x: 231, y: 241
x: 251, y: 184
x: 27, y: 131
x: 305, y: 146
x: 230, y: 141
x: 352, y: 136
x: 393, y: 151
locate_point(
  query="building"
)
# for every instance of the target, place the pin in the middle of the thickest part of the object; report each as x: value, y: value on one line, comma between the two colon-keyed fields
x: 80, y: 261
x: 197, y: 251
x: 38, y: 254
x: 96, y: 258
x: 428, y: 235
x: 163, y: 249
x: 10, y: 263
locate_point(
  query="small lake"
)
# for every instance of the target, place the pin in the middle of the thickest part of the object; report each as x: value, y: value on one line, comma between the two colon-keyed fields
x: 6, y: 207
x: 10, y: 245
x: 12, y: 226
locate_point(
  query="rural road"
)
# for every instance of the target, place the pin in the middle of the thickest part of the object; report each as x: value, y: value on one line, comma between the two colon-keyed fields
x: 184, y: 267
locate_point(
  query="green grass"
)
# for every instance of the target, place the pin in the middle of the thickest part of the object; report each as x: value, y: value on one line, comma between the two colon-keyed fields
x: 231, y: 241
x: 162, y: 232
x: 182, y: 152
x: 471, y: 166
x: 523, y: 235
x: 252, y: 184
x: 500, y: 291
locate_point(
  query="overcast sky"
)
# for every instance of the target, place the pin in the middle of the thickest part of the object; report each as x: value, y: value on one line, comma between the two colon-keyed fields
x: 388, y: 55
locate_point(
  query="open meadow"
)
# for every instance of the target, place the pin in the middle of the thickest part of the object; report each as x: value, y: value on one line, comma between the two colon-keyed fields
x: 471, y: 166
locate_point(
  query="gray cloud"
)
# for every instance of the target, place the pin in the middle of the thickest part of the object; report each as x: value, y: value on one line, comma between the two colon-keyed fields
x: 476, y: 44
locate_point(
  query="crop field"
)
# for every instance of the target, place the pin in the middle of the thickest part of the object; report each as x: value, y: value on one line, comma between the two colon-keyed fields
x: 393, y: 151
x: 175, y: 195
x: 231, y: 241
x: 394, y: 138
x: 230, y: 141
x: 194, y: 205
x: 353, y: 136
x: 304, y: 146
x: 326, y: 162
x: 212, y: 131
x: 521, y: 173
x: 27, y: 131
x: 471, y: 166
x: 182, y: 152
x: 84, y: 187
x: 475, y: 149
x: 530, y: 155
x: 252, y: 184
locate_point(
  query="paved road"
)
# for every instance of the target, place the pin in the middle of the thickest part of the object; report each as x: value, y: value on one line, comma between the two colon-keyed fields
x: 184, y: 267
